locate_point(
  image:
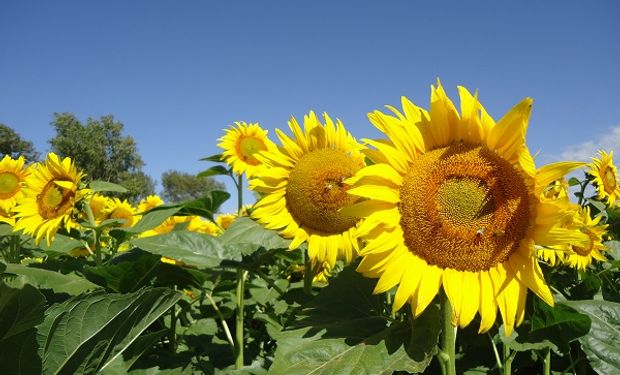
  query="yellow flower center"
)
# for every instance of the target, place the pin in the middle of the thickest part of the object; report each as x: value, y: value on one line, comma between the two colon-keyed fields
x: 315, y: 190
x: 609, y: 180
x: 54, y: 201
x: 593, y: 238
x: 9, y: 185
x: 247, y: 146
x: 463, y: 207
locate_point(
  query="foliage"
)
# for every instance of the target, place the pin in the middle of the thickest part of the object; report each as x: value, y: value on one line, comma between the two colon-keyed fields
x: 181, y: 186
x: 12, y: 144
x: 100, y: 149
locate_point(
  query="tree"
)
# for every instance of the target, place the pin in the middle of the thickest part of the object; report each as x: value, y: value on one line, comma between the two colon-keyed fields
x: 181, y: 186
x: 100, y: 149
x: 12, y: 144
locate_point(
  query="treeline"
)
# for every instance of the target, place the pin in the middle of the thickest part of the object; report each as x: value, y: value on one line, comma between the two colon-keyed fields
x: 99, y: 148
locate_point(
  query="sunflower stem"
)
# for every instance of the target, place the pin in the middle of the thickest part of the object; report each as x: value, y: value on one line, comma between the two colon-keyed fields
x: 172, y: 336
x: 14, y: 249
x: 241, y: 274
x: 308, y: 276
x: 448, y: 338
x: 229, y: 337
x: 508, y: 357
x: 93, y: 223
x: 547, y: 362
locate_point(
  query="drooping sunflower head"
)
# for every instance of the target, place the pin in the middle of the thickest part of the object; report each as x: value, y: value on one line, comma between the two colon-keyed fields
x: 241, y: 143
x: 605, y: 176
x: 453, y: 200
x: 149, y: 203
x: 580, y: 256
x: 303, y: 190
x: 12, y: 178
x: 121, y: 209
x: 51, y: 193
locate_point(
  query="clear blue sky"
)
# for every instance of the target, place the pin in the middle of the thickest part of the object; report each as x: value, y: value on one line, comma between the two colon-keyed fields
x: 178, y: 72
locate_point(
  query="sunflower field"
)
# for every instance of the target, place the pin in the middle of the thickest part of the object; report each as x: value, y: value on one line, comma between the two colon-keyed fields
x: 440, y: 248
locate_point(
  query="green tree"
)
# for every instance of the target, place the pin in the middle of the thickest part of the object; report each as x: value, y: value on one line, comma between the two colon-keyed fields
x: 180, y: 186
x: 100, y: 149
x: 12, y: 144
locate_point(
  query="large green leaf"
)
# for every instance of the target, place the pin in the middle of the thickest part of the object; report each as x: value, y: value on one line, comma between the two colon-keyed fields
x: 602, y: 343
x: 217, y: 170
x: 245, y: 236
x: 85, y: 334
x: 343, y: 332
x: 45, y: 279
x: 153, y: 219
x: 20, y: 311
x: 61, y: 244
x: 206, y: 206
x: 558, y: 325
x: 132, y: 270
x: 194, y: 249
x: 99, y: 186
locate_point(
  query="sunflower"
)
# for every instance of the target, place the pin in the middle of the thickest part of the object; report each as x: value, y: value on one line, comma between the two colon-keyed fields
x: 453, y: 200
x: 605, y: 176
x: 198, y: 224
x: 121, y: 209
x: 224, y: 220
x: 6, y: 217
x: 241, y: 143
x: 98, y: 203
x: 50, y: 197
x: 581, y: 256
x: 149, y: 203
x: 303, y: 190
x: 12, y: 177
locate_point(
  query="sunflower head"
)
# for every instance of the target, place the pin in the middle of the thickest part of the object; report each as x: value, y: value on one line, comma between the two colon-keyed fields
x: 580, y: 255
x: 224, y: 220
x: 149, y: 203
x: 241, y: 143
x: 51, y: 193
x: 121, y: 209
x: 453, y: 200
x: 605, y: 176
x: 12, y: 178
x: 98, y: 203
x: 198, y: 224
x: 303, y: 190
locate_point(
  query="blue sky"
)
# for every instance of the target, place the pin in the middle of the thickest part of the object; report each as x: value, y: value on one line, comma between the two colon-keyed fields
x: 177, y: 73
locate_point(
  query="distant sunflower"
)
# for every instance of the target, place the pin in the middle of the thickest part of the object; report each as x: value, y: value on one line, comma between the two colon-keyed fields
x: 453, y: 200
x: 303, y: 190
x: 98, y: 204
x: 50, y: 197
x: 121, y: 209
x: 224, y: 220
x: 241, y: 143
x: 12, y: 177
x: 581, y: 256
x: 149, y: 203
x: 605, y: 176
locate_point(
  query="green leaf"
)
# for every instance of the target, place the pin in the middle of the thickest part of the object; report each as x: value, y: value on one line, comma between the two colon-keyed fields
x: 206, y: 206
x: 217, y: 170
x: 45, y: 279
x: 194, y: 249
x: 559, y: 325
x: 5, y: 229
x: 135, y: 269
x: 121, y: 364
x: 602, y: 343
x: 20, y: 311
x: 343, y: 332
x: 61, y: 244
x: 153, y: 219
x: 99, y: 186
x: 246, y: 236
x: 613, y: 249
x: 573, y: 181
x: 86, y: 333
x: 216, y: 158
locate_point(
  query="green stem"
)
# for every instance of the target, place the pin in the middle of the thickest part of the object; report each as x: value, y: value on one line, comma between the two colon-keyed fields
x: 96, y: 232
x: 14, y: 249
x: 583, y: 185
x: 172, y: 336
x: 448, y: 338
x: 547, y: 362
x: 308, y: 275
x: 231, y: 342
x: 239, y: 195
x: 508, y: 357
x: 241, y: 274
x: 498, y: 360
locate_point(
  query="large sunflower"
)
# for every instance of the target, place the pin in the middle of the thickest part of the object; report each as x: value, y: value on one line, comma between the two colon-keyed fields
x: 241, y: 143
x: 605, y: 176
x: 453, y: 200
x: 303, y: 190
x: 50, y: 197
x: 12, y: 177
